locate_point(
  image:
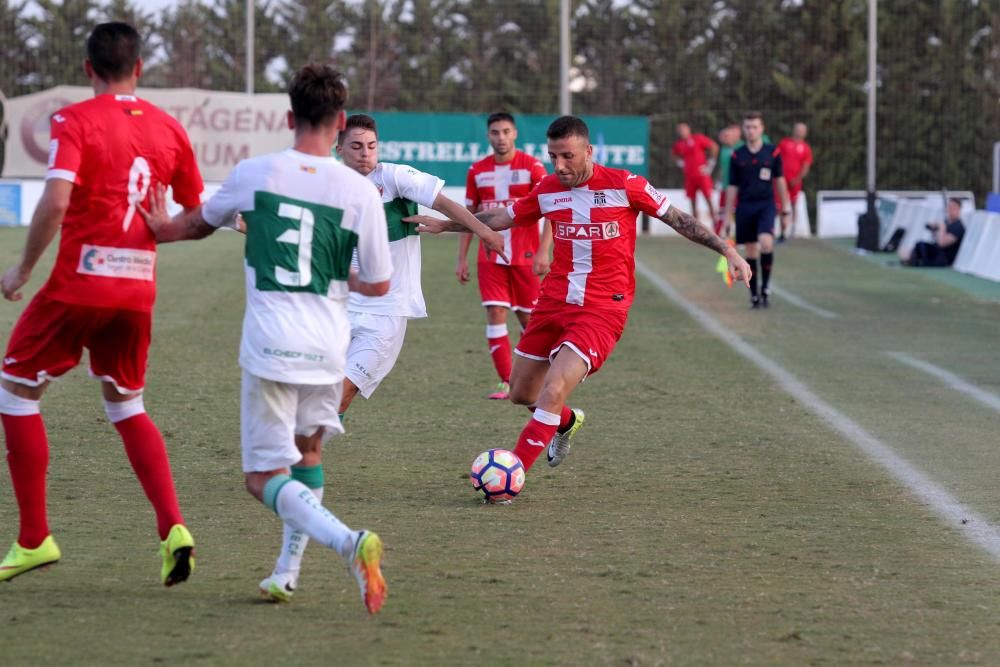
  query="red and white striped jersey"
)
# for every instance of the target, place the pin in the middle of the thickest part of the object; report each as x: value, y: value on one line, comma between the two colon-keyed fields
x: 593, y: 228
x: 492, y: 185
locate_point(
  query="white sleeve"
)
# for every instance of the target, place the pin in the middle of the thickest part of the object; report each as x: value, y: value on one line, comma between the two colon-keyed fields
x: 221, y: 208
x: 417, y: 186
x: 372, y: 253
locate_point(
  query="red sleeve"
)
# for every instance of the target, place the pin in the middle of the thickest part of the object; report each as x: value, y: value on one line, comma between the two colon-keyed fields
x: 703, y: 141
x: 676, y: 149
x: 65, y: 147
x: 538, y: 172
x: 644, y: 197
x: 808, y: 157
x: 471, y: 191
x: 186, y: 181
x: 526, y: 211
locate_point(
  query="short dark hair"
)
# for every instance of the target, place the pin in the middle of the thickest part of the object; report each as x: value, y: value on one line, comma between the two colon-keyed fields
x: 318, y: 93
x: 568, y: 126
x: 113, y: 50
x: 499, y: 116
x: 358, y: 120
x: 753, y: 115
x: 955, y: 200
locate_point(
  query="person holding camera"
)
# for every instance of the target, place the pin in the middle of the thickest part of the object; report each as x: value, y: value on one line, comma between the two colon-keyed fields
x: 947, y: 239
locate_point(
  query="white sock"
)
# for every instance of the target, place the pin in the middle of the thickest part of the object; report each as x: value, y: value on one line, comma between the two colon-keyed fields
x: 298, y: 507
x: 293, y: 545
x: 119, y: 411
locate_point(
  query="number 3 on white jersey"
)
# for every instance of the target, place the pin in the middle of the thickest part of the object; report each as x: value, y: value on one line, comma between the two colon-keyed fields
x: 303, y: 238
x: 138, y: 185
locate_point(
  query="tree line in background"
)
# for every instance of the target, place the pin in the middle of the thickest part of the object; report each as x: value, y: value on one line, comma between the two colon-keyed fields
x: 701, y: 61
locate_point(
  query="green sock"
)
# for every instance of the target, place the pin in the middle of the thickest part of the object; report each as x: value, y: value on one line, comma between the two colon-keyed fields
x: 311, y: 476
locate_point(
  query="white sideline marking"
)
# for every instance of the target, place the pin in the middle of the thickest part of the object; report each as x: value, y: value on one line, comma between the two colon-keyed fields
x: 987, y: 398
x: 973, y: 526
x: 796, y: 300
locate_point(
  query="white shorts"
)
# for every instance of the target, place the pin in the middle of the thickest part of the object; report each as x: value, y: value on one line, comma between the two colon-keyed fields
x: 375, y: 344
x: 273, y: 413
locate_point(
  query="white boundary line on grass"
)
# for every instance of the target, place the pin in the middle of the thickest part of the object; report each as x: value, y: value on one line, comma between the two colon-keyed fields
x: 796, y: 300
x: 987, y: 398
x: 973, y: 526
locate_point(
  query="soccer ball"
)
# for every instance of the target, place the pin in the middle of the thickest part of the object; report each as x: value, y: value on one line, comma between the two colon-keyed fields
x: 498, y: 475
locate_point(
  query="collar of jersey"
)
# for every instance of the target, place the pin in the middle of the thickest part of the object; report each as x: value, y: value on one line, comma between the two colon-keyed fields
x: 311, y: 158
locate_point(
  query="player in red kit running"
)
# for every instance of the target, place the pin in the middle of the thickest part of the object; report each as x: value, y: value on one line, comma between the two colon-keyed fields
x: 495, y: 182
x: 586, y: 296
x: 690, y: 149
x: 103, y: 156
x: 796, y: 159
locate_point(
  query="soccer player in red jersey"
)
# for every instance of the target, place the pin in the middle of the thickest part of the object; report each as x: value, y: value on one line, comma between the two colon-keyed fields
x: 103, y: 155
x: 690, y: 152
x: 496, y: 181
x: 797, y: 159
x: 586, y: 297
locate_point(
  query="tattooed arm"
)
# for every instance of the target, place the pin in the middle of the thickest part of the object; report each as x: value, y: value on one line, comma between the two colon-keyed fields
x: 689, y: 227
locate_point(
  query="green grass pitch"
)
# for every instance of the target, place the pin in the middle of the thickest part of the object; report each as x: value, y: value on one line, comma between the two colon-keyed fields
x: 704, y: 516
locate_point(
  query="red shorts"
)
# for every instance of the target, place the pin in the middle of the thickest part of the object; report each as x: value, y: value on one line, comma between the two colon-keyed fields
x: 695, y: 183
x: 49, y: 338
x: 590, y: 332
x: 514, y: 287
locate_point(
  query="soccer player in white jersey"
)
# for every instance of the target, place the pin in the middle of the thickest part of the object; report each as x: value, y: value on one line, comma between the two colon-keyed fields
x: 378, y: 325
x: 305, y: 215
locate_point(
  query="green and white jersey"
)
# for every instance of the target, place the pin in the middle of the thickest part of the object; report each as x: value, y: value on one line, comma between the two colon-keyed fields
x: 306, y: 217
x: 402, y: 188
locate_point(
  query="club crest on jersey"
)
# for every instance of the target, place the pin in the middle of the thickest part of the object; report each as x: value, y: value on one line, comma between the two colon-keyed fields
x: 600, y: 199
x: 592, y: 231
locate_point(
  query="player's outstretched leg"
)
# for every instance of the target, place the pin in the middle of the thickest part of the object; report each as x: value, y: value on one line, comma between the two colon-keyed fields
x: 284, y: 579
x: 28, y: 460
x: 297, y: 506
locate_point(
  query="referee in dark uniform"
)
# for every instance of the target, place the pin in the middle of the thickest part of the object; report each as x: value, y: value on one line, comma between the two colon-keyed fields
x: 754, y: 176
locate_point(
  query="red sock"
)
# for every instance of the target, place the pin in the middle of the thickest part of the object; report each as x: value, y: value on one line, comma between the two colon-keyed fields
x: 148, y: 455
x: 499, y: 350
x: 534, y: 439
x: 28, y: 460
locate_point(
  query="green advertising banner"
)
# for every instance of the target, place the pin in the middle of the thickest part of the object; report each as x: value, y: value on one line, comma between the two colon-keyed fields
x: 445, y: 144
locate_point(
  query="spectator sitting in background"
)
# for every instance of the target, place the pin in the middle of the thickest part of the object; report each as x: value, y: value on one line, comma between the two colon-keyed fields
x: 947, y: 239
